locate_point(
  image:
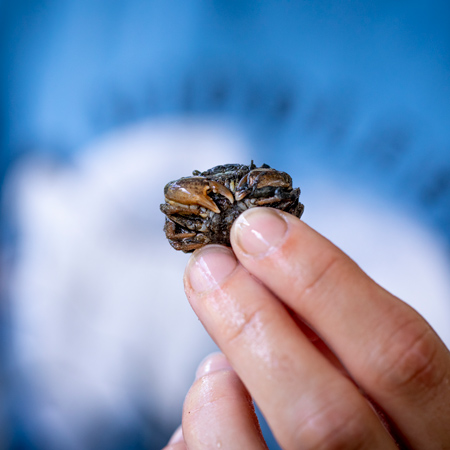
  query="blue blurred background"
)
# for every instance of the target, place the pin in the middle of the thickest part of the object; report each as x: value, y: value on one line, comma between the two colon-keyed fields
x: 103, y: 102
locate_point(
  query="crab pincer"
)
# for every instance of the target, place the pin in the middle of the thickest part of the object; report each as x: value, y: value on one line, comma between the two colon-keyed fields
x: 194, y: 191
x: 262, y: 178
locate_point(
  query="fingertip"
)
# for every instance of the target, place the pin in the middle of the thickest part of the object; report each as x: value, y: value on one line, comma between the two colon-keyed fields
x: 218, y: 411
x: 176, y: 442
x: 177, y: 446
x: 212, y: 363
x: 177, y: 436
x: 208, y: 267
x: 259, y: 231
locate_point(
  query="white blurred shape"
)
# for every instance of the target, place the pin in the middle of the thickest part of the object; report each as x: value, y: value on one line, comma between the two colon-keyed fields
x: 100, y: 316
x: 398, y: 251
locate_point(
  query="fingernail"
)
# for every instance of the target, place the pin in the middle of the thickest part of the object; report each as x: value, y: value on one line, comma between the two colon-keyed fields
x: 177, y: 436
x: 208, y: 267
x: 259, y: 231
x: 212, y: 363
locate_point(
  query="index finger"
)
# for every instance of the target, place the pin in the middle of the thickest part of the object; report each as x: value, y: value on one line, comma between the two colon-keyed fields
x: 387, y: 347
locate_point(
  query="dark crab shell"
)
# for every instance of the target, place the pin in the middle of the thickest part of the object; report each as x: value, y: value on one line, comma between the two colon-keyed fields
x: 189, y: 225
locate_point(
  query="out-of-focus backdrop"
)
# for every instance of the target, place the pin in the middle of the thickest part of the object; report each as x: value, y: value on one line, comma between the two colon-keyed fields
x: 103, y: 102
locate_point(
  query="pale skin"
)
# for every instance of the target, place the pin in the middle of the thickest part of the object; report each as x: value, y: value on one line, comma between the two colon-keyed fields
x: 377, y: 378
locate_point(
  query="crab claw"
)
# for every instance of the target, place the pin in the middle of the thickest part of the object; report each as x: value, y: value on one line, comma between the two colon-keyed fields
x: 194, y: 191
x: 260, y: 178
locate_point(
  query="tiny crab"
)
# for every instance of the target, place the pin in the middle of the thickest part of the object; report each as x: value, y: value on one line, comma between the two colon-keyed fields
x: 201, y: 209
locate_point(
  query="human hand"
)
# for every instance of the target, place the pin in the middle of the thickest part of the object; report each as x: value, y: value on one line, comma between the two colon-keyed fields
x: 372, y: 374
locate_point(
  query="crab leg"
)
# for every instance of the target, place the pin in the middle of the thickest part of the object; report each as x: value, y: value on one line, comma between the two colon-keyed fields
x: 170, y: 229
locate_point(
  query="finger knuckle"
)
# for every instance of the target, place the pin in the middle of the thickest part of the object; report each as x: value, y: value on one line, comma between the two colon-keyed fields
x: 407, y: 362
x: 248, y: 325
x: 333, y: 428
x: 332, y: 268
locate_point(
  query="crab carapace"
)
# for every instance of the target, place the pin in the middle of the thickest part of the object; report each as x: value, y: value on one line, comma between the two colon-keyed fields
x: 201, y: 209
